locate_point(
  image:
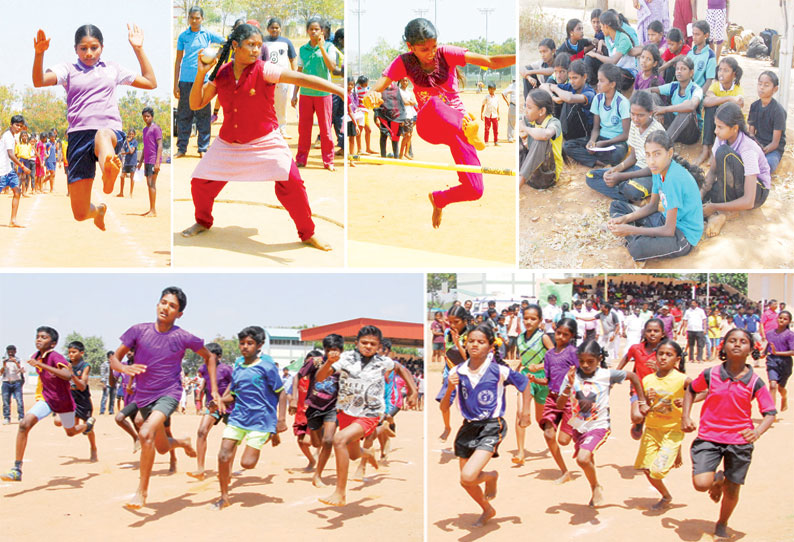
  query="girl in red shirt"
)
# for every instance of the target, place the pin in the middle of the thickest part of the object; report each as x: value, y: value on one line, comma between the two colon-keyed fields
x: 643, y: 354
x: 249, y: 147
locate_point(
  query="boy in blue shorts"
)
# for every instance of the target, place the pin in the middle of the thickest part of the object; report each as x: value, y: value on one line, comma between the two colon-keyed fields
x: 50, y: 162
x: 52, y: 395
x: 159, y: 349
x: 8, y: 177
x: 260, y: 408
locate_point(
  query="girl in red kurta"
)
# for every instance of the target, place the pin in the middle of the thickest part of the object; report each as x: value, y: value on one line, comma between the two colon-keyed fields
x: 249, y: 146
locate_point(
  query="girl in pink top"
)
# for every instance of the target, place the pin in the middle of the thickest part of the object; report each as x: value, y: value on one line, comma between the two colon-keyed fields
x: 249, y: 146
x: 92, y: 111
x: 441, y: 118
x: 726, y: 433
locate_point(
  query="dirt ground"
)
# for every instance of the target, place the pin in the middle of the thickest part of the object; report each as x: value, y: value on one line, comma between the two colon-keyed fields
x: 63, y: 493
x: 561, y: 227
x: 529, y: 502
x: 51, y: 237
x: 251, y: 228
x: 384, y: 230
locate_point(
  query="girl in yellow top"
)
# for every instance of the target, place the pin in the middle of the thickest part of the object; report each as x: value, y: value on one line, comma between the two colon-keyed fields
x: 725, y: 89
x: 661, y: 441
x: 541, y: 136
x: 24, y: 151
x: 714, y: 331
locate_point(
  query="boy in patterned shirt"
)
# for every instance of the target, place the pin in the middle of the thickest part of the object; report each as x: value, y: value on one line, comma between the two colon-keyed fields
x: 360, y: 403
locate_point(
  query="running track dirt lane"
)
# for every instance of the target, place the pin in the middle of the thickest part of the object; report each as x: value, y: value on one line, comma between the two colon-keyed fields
x: 52, y: 238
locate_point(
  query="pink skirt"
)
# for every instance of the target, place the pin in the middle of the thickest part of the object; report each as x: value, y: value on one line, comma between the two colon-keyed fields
x: 265, y: 159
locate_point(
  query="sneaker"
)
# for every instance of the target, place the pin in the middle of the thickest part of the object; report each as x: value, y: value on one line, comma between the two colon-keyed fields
x: 89, y: 425
x: 14, y: 475
x: 179, y: 154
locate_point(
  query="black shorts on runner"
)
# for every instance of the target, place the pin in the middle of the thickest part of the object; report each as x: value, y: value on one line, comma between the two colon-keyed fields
x: 83, y: 408
x: 316, y: 418
x: 480, y: 435
x: 707, y: 456
x: 166, y: 405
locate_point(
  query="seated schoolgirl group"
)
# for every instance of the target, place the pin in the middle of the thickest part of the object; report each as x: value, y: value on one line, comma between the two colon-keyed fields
x: 618, y: 106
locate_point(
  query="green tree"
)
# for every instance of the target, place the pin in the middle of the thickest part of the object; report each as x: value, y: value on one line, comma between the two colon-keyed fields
x: 130, y: 107
x: 736, y: 280
x: 95, y: 351
x: 8, y: 98
x: 435, y: 282
x: 44, y: 110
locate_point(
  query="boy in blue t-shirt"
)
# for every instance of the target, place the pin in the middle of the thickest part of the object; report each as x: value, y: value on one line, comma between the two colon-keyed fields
x: 260, y: 407
x: 129, y: 153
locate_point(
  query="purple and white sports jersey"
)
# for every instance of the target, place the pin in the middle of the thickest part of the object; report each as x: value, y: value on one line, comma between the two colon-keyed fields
x: 481, y: 394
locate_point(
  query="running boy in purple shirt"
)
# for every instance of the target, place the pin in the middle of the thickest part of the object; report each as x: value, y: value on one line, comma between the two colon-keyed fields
x: 321, y: 404
x: 210, y: 415
x: 152, y: 155
x: 53, y: 394
x: 159, y: 349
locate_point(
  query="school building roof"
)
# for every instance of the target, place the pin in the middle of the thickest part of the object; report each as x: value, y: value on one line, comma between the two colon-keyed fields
x: 401, y: 333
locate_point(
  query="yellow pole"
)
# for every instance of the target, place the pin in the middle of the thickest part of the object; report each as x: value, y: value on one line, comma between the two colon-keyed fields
x: 431, y: 165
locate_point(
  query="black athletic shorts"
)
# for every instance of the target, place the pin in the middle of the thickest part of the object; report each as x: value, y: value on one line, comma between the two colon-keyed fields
x: 480, y: 435
x: 316, y: 418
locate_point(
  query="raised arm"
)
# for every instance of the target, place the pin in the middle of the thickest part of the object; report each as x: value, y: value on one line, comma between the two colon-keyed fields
x: 40, y: 79
x: 202, y: 93
x: 494, y: 62
x: 300, y: 79
x: 146, y: 80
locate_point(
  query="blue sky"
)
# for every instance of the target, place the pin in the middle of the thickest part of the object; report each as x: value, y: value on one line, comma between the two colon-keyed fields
x: 59, y: 19
x: 457, y: 20
x: 105, y: 305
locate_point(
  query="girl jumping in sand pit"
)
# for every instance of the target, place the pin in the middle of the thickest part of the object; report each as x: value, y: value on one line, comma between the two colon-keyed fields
x: 442, y: 118
x: 95, y: 133
x: 250, y: 146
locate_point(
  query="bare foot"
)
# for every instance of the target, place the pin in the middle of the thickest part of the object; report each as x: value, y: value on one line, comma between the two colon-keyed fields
x: 119, y: 195
x: 487, y: 514
x: 679, y: 462
x: 388, y: 432
x: 721, y: 530
x: 99, y: 219
x: 334, y: 499
x: 445, y: 434
x: 385, y: 450
x: 598, y: 497
x: 93, y: 458
x: 309, y: 467
x: 358, y: 476
x: 436, y: 212
x: 220, y: 504
x: 369, y: 457
x: 703, y: 158
x: 13, y: 224
x: 714, y: 224
x: 636, y: 431
x: 198, y: 475
x: 136, y: 446
x: 316, y: 243
x: 188, y: 447
x: 137, y: 502
x: 490, y: 486
x: 110, y: 170
x: 566, y: 477
x: 150, y: 213
x: 784, y: 403
x: 471, y: 129
x: 194, y: 230
x: 318, y: 482
x: 172, y: 467
x: 518, y: 459
x: 715, y: 492
x: 663, y: 504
